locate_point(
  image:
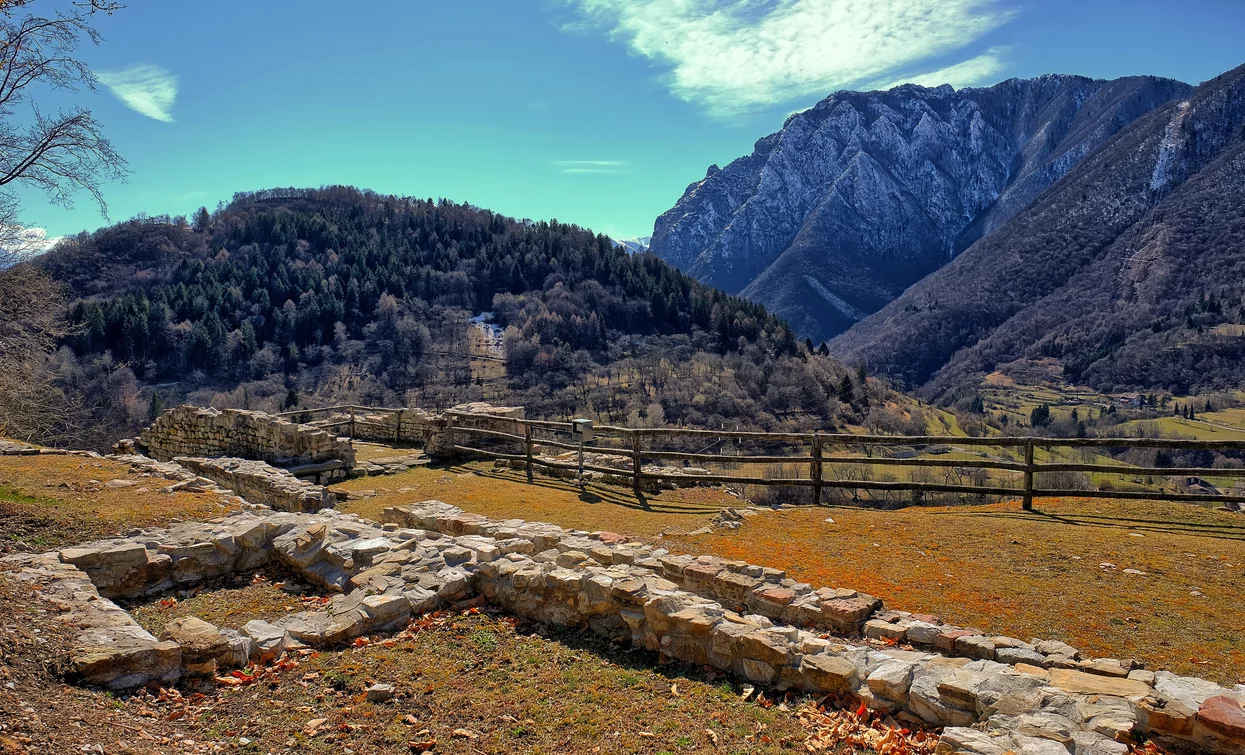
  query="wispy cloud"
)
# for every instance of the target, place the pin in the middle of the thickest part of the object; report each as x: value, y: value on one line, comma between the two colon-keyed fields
x: 591, y: 166
x: 982, y: 69
x: 732, y: 56
x: 18, y: 243
x: 146, y: 89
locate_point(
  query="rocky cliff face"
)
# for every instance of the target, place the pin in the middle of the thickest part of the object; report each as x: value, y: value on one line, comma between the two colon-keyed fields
x: 866, y: 193
x: 1128, y: 271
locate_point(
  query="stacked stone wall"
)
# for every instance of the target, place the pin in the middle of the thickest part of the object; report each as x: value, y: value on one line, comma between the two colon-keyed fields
x: 259, y: 482
x: 733, y: 616
x: 198, y: 432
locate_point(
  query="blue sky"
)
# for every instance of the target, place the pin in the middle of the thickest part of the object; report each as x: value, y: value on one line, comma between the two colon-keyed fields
x: 597, y: 112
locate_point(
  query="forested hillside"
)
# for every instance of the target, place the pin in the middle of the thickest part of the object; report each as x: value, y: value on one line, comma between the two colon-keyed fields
x: 302, y: 297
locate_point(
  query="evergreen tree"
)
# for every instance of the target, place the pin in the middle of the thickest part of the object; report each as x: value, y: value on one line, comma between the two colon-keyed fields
x: 202, y: 220
x: 155, y: 407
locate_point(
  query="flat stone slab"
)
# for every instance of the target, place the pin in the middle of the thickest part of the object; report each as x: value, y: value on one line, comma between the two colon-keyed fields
x: 1093, y: 684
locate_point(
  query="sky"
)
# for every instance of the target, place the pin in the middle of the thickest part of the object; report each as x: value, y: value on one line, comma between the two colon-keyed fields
x: 595, y: 112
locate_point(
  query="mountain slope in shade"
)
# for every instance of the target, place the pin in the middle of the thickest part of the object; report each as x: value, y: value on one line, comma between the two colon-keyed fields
x: 866, y: 193
x: 1130, y: 270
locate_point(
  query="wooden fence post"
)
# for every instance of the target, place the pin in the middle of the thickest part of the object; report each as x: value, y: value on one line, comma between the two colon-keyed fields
x: 815, y: 468
x: 527, y: 443
x: 1027, y: 504
x: 352, y: 420
x: 637, y: 464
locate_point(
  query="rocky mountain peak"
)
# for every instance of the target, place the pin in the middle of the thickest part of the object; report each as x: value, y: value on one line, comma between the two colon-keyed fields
x: 865, y: 193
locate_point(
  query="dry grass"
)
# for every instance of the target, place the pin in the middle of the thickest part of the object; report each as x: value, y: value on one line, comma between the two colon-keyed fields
x: 229, y: 604
x: 994, y: 566
x: 1033, y: 574
x: 49, y: 501
x: 366, y: 450
x: 501, y: 494
x: 503, y: 686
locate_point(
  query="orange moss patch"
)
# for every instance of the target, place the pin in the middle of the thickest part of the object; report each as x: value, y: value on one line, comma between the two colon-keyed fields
x: 1035, y: 574
x: 505, y: 494
x: 49, y: 501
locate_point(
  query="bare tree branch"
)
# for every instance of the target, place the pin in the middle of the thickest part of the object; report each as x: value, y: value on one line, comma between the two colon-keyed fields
x: 62, y: 154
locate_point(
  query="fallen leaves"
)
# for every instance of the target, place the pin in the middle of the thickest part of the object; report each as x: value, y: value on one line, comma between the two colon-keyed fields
x: 833, y: 728
x: 312, y: 727
x: 428, y: 742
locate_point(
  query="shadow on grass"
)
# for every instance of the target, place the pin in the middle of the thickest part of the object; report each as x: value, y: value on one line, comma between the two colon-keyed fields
x: 592, y: 493
x: 1217, y: 530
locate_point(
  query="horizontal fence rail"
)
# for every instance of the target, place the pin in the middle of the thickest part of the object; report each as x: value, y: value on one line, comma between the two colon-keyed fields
x: 820, y: 461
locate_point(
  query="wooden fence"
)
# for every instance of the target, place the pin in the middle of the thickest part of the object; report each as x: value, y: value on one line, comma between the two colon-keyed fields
x: 824, y: 461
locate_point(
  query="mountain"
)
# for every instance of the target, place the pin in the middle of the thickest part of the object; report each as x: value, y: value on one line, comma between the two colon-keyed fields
x: 1130, y: 270
x: 322, y: 296
x: 866, y: 193
x: 637, y: 245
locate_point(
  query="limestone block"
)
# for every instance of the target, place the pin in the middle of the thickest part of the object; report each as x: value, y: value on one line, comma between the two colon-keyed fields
x: 1019, y: 655
x: 1093, y: 684
x: 1190, y: 691
x: 1220, y: 725
x: 847, y: 614
x: 975, y: 646
x: 830, y: 673
x: 880, y: 630
x: 959, y: 739
x: 269, y: 639
x: 201, y: 643
x: 922, y: 632
x: 891, y: 680
x: 125, y: 657
x: 765, y: 646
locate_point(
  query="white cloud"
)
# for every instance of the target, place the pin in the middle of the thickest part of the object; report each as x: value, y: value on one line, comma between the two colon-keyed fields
x: 982, y: 69
x: 733, y: 56
x: 146, y: 89
x: 18, y: 243
x: 591, y: 166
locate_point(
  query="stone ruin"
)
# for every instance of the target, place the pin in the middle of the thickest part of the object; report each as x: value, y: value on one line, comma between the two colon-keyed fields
x: 993, y: 694
x: 190, y: 431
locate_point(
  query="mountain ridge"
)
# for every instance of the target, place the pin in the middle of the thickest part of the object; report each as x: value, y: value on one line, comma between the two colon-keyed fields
x: 1129, y: 270
x: 862, y: 195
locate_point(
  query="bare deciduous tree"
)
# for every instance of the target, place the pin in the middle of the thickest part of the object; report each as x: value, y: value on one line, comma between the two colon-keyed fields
x: 32, y: 407
x: 61, y: 154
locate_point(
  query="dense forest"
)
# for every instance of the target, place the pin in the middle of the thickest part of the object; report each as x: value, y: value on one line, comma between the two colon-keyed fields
x: 297, y: 297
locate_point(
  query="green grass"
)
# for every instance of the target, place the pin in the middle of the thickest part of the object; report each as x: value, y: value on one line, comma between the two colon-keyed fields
x: 11, y: 495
